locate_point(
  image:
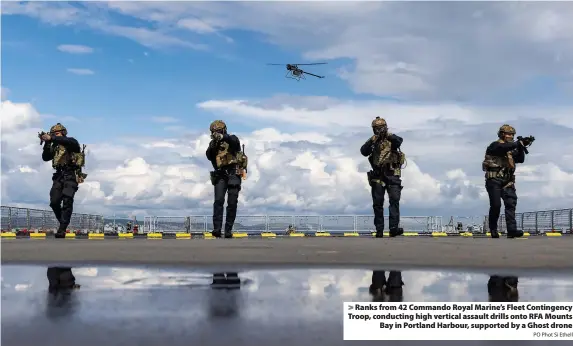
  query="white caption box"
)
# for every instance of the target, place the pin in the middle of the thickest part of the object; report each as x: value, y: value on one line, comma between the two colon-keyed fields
x: 458, y: 321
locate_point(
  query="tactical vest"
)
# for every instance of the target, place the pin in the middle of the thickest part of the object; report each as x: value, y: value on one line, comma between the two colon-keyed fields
x: 63, y: 158
x: 498, y: 163
x: 386, y: 159
x: 224, y: 157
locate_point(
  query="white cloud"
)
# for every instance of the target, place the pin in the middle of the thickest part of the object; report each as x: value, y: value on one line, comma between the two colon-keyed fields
x: 312, y: 170
x: 486, y: 54
x: 81, y: 71
x: 75, y: 49
x: 196, y: 25
x: 402, y: 49
x: 487, y: 51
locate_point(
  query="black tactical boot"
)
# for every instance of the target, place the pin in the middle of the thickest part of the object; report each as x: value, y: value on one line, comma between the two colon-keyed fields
x: 378, y: 286
x: 228, y: 231
x: 494, y: 233
x: 394, y: 287
x: 396, y: 232
x: 216, y: 233
x: 380, y: 234
x: 219, y: 280
x: 515, y: 234
x: 61, y: 232
x: 233, y: 280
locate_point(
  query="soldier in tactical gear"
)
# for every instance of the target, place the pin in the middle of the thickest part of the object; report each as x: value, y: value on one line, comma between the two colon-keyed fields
x: 386, y: 159
x: 66, y: 157
x: 228, y: 162
x: 499, y: 163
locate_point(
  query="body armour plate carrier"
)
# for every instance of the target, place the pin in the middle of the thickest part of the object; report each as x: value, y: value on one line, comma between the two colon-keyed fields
x: 498, y: 163
x: 224, y: 156
x: 63, y: 158
x: 383, y: 156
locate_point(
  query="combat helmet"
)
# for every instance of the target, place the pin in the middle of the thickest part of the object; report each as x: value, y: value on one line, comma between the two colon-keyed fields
x: 59, y: 128
x: 378, y: 122
x: 218, y: 125
x: 505, y: 128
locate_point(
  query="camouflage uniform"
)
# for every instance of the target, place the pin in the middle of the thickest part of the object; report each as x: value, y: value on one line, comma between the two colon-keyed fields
x: 62, y: 151
x: 499, y: 167
x: 225, y: 155
x: 385, y: 159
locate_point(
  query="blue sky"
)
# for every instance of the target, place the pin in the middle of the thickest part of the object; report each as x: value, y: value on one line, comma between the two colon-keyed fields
x: 444, y: 75
x: 132, y: 83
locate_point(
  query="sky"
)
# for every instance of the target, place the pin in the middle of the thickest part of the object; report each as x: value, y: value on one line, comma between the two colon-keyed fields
x: 140, y: 82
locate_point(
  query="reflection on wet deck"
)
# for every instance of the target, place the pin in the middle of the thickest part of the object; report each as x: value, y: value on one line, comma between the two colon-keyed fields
x: 150, y: 307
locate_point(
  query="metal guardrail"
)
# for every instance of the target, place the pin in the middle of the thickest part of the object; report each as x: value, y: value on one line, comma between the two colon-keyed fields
x: 277, y: 223
x: 13, y: 218
x: 37, y: 220
x: 560, y: 220
x: 533, y: 222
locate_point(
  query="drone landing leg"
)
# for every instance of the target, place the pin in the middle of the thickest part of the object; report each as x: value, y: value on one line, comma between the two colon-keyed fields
x: 290, y: 75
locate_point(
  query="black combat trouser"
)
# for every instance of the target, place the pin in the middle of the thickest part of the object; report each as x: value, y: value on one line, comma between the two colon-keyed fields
x: 498, y: 190
x: 225, y: 183
x: 64, y: 188
x: 391, y: 287
x: 392, y: 185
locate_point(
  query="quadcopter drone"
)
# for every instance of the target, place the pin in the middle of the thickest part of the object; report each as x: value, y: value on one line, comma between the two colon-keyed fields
x: 296, y: 73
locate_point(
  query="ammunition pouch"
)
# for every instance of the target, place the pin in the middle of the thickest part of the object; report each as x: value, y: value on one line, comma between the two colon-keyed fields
x: 231, y: 175
x: 214, y: 176
x: 374, y: 178
x: 397, y: 171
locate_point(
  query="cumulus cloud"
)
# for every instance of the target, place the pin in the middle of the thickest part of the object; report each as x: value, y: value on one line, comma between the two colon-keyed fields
x: 81, y: 71
x: 75, y: 49
x: 306, y: 171
x: 461, y: 81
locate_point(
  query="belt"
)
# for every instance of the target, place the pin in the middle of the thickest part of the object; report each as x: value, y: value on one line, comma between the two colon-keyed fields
x: 494, y: 174
x: 502, y: 175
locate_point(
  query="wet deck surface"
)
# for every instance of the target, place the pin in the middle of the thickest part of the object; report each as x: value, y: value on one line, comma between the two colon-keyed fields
x: 127, y: 306
x: 401, y: 253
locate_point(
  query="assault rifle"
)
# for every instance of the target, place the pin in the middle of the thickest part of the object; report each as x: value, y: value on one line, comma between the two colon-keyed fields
x: 40, y: 134
x: 216, y: 136
x: 527, y: 141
